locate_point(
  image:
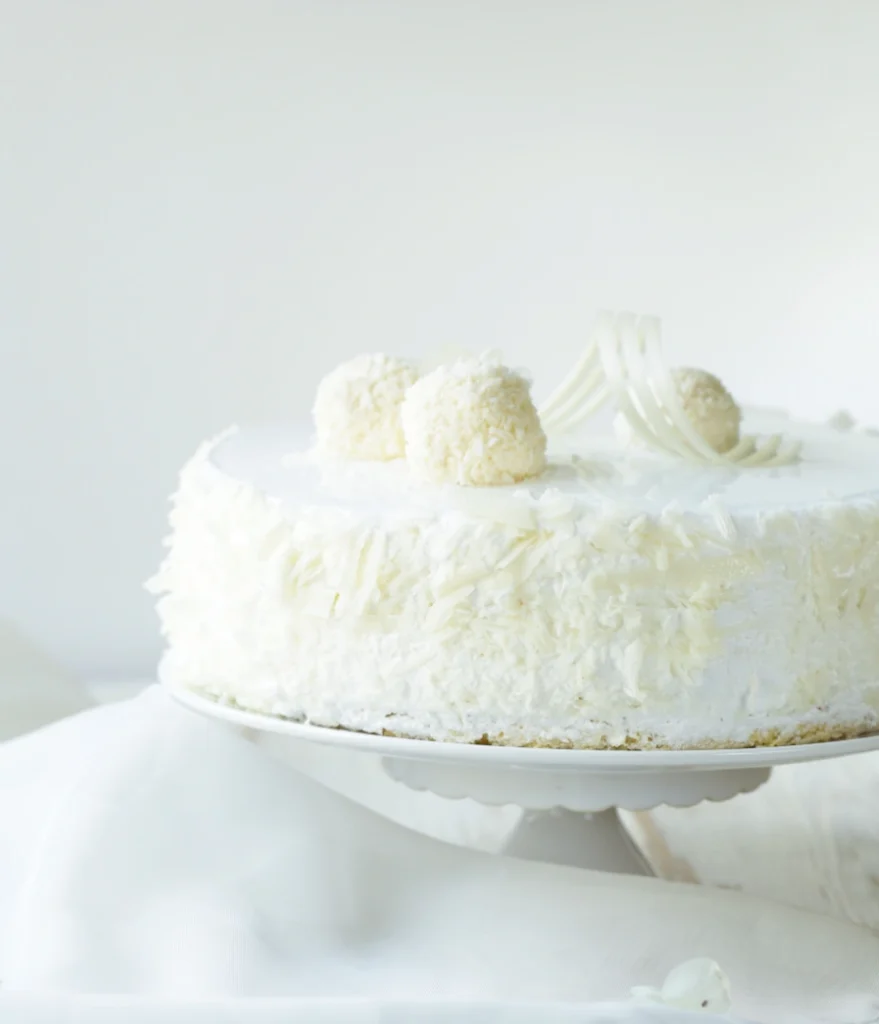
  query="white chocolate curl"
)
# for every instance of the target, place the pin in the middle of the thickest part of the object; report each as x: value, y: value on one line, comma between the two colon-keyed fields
x: 709, y: 406
x: 357, y: 408
x: 473, y: 423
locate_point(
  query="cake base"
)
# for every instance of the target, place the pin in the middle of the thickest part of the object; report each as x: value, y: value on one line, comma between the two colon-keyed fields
x: 759, y: 738
x: 795, y: 734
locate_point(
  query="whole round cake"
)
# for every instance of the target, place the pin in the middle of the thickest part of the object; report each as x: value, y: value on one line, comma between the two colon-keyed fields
x: 496, y: 582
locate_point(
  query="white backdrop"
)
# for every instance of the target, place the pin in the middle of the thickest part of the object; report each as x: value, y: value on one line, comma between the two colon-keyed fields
x: 204, y: 206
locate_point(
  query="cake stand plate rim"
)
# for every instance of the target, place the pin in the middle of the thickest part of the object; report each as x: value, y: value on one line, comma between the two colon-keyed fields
x: 609, y: 761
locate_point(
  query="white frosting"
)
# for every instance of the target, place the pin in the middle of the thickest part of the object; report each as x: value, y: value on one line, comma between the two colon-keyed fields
x: 472, y: 423
x: 614, y: 600
x: 357, y: 407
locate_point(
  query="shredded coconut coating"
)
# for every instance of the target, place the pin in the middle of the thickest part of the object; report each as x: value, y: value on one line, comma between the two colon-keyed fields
x: 710, y: 407
x: 530, y: 615
x: 473, y: 423
x: 357, y: 408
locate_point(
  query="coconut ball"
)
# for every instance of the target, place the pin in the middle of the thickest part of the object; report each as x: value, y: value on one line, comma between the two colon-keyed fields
x: 473, y: 423
x: 357, y: 408
x: 709, y: 406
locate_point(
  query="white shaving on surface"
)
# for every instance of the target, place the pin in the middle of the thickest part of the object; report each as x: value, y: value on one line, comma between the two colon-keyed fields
x: 357, y: 408
x: 473, y: 423
x: 699, y: 986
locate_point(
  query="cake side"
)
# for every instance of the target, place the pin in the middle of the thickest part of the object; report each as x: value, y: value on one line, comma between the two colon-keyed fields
x: 548, y: 616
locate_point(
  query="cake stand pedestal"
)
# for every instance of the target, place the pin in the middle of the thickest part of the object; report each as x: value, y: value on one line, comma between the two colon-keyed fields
x: 571, y: 798
x: 571, y: 809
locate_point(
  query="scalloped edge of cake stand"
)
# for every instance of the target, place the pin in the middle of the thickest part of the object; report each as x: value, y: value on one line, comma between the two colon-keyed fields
x: 585, y: 789
x: 571, y: 817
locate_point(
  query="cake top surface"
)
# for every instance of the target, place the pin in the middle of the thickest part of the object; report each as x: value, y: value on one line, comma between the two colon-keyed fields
x: 591, y: 469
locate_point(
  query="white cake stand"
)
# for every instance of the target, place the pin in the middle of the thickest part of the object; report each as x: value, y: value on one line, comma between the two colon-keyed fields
x: 570, y: 797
